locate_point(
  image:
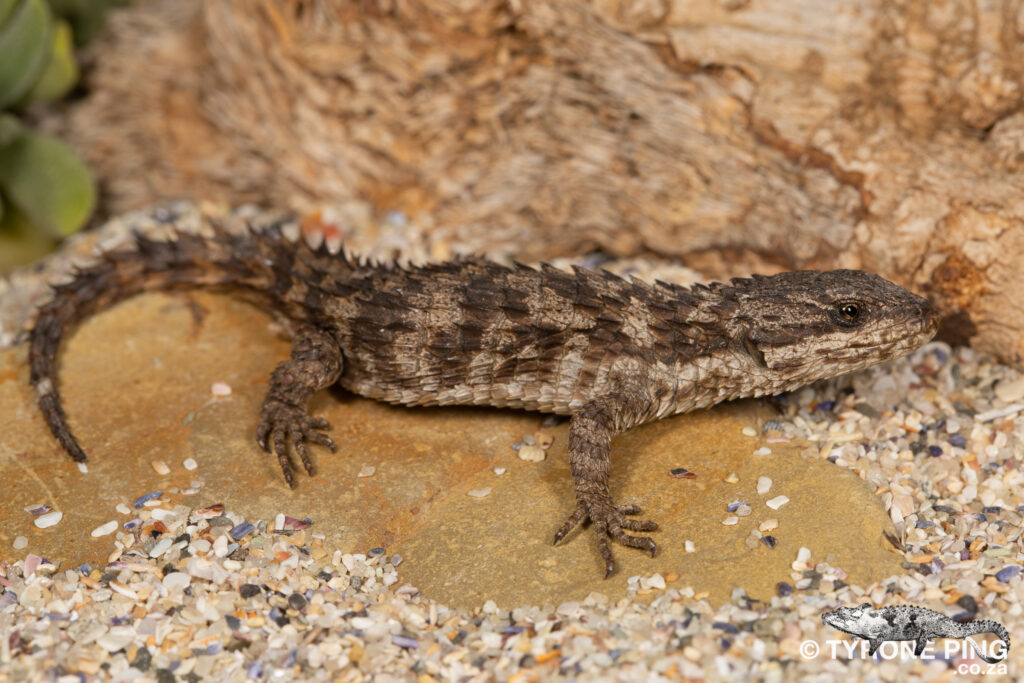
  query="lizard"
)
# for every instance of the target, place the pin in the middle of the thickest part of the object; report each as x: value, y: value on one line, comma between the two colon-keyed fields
x: 910, y: 622
x: 611, y: 353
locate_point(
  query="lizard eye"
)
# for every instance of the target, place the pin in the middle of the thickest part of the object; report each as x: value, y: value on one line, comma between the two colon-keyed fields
x: 849, y: 311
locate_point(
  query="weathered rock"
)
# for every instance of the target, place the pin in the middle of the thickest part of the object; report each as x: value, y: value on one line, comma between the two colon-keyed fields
x: 136, y: 381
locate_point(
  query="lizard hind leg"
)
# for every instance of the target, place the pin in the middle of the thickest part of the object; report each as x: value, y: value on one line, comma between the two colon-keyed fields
x: 316, y: 363
x: 590, y: 433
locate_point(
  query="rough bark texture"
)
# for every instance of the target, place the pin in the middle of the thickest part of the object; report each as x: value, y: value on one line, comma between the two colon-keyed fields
x: 735, y: 135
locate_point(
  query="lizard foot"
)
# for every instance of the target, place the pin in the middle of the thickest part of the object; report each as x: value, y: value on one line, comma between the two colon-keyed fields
x: 283, y: 422
x: 610, y: 520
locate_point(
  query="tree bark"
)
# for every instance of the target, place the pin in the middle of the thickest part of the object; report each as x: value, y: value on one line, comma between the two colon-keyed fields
x: 734, y: 135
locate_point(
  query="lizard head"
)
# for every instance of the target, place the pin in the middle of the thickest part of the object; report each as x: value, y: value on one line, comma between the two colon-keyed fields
x: 853, y: 620
x: 809, y: 325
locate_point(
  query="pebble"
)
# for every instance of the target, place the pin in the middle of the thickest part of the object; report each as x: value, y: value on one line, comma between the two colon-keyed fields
x: 124, y: 590
x: 161, y: 467
x: 248, y: 590
x: 104, y: 529
x: 656, y: 581
x: 997, y: 413
x: 763, y: 450
x: 177, y: 580
x: 293, y: 524
x: 689, y: 546
x: 20, y: 542
x: 220, y: 389
x: 1010, y: 390
x: 749, y: 431
x: 480, y: 493
x: 49, y: 519
x: 190, y: 464
x: 499, y: 470
x: 367, y: 471
x: 243, y: 529
x: 532, y: 453
x: 1006, y: 573
x: 764, y: 485
x: 117, y: 638
x: 731, y: 520
x: 162, y: 546
x: 32, y: 563
x: 404, y: 642
x: 776, y: 502
x: 142, y: 500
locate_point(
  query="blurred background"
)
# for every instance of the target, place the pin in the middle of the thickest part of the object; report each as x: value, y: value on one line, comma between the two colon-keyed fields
x: 46, y: 191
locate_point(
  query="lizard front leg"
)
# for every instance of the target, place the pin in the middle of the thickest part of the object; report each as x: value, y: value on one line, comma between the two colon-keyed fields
x: 590, y: 434
x: 315, y: 364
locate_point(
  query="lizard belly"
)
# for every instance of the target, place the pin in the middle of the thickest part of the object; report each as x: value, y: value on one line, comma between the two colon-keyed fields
x: 527, y: 396
x: 471, y: 383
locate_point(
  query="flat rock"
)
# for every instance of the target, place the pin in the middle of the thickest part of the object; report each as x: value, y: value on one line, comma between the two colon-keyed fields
x: 136, y: 381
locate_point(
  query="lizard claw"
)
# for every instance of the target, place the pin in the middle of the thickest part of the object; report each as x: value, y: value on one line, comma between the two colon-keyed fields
x: 282, y: 422
x: 610, y: 520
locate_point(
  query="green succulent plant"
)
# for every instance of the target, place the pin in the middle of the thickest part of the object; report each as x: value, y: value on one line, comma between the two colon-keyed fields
x: 46, y: 191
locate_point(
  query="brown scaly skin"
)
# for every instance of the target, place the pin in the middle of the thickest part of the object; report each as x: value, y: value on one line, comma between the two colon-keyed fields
x: 611, y: 353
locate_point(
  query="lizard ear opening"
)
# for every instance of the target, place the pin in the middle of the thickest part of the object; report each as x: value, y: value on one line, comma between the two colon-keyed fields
x: 754, y: 351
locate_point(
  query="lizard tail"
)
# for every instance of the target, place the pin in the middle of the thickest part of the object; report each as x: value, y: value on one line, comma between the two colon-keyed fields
x: 987, y: 626
x: 251, y: 261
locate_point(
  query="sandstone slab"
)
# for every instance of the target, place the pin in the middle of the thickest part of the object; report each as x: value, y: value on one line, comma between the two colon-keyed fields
x: 137, y: 381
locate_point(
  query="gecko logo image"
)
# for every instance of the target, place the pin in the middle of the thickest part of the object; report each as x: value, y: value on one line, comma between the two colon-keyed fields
x: 918, y: 624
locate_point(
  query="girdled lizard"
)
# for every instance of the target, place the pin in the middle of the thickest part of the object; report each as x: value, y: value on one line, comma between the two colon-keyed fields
x: 609, y: 352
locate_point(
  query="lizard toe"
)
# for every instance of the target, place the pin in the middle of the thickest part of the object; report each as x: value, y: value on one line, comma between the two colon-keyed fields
x: 321, y: 439
x: 318, y: 423
x: 642, y: 542
x: 262, y: 432
x: 299, y: 444
x: 577, y: 516
x: 638, y: 524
